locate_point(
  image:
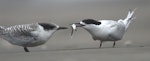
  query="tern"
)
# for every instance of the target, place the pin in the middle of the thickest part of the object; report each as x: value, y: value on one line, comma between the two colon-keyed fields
x: 29, y: 35
x: 105, y: 30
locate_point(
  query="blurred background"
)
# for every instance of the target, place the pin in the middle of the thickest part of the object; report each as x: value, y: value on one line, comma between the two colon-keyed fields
x: 65, y: 12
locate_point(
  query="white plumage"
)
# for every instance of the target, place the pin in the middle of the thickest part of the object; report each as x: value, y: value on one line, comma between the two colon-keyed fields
x: 106, y: 30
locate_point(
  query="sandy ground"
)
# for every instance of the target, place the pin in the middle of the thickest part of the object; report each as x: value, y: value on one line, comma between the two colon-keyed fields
x: 86, y: 54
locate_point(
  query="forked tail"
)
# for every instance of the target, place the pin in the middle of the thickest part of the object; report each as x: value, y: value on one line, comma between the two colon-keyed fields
x: 129, y: 18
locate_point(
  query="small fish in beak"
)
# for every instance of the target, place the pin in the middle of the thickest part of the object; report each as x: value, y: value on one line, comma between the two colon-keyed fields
x: 74, y: 27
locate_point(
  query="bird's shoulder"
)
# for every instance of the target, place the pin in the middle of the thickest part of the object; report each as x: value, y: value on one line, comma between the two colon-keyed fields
x: 108, y: 22
x: 111, y: 23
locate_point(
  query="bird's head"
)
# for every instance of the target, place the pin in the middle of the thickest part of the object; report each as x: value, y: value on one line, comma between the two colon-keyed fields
x: 87, y: 23
x: 51, y: 26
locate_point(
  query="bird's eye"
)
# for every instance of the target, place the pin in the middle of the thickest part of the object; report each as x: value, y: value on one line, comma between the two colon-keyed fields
x: 98, y: 23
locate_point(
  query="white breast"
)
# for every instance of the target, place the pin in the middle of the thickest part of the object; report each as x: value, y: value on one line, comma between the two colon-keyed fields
x: 107, y: 31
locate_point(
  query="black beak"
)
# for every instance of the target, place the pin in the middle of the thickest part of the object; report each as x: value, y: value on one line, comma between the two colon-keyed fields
x: 62, y: 28
x: 79, y: 25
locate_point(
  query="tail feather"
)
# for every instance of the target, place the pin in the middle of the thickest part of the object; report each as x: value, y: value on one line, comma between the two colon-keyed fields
x: 129, y: 18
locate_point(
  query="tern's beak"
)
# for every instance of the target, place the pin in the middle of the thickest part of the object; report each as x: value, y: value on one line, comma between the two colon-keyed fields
x: 62, y: 28
x: 79, y: 25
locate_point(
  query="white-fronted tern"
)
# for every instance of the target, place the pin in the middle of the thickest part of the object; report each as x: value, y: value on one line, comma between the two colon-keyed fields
x: 105, y: 30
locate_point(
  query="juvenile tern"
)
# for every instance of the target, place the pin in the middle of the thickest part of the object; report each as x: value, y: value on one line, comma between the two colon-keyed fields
x: 29, y: 35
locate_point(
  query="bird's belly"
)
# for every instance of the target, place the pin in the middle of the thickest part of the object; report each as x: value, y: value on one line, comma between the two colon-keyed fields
x: 36, y: 43
x: 24, y: 41
x: 99, y: 36
x: 27, y: 43
x: 104, y: 36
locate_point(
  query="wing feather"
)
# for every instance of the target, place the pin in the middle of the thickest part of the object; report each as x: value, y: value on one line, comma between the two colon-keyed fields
x: 19, y: 34
x: 20, y: 28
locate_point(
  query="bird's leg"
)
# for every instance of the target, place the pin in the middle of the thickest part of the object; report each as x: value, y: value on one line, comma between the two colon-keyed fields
x: 26, y: 49
x: 100, y: 44
x: 114, y: 44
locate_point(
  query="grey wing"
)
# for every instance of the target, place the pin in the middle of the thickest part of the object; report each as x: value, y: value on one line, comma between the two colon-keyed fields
x: 117, y: 31
x: 19, y: 33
